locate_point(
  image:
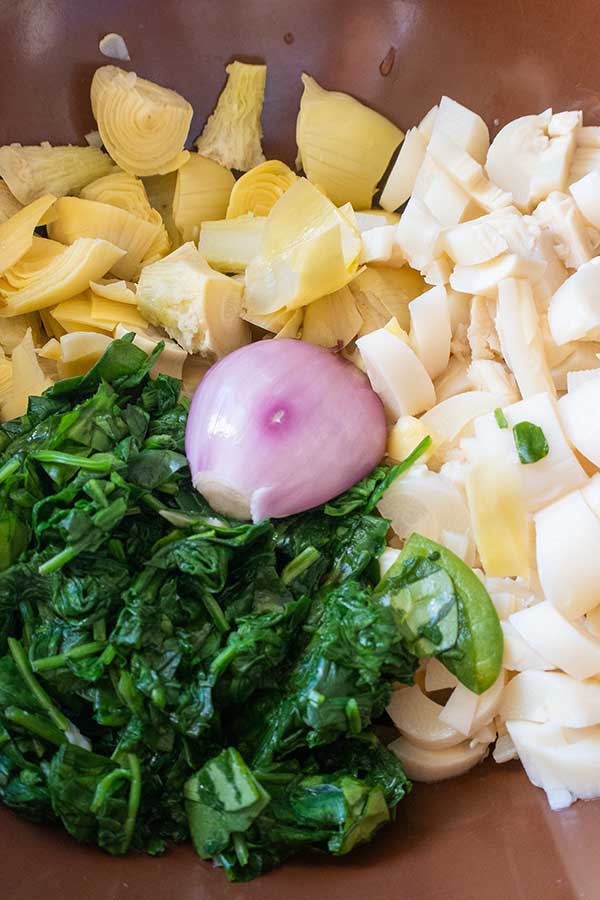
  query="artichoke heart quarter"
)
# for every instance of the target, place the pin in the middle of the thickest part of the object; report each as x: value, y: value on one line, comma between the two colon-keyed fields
x: 310, y: 249
x: 13, y: 331
x: 78, y: 218
x: 202, y: 193
x: 65, y: 275
x: 259, y: 189
x: 42, y: 251
x: 197, y: 306
x: 343, y: 146
x: 17, y: 233
x: 143, y: 125
x: 230, y: 245
x: 122, y: 190
x: 27, y: 379
x: 129, y: 193
x: 89, y: 312
x: 111, y: 289
x: 232, y: 135
x: 332, y: 321
x: 31, y: 172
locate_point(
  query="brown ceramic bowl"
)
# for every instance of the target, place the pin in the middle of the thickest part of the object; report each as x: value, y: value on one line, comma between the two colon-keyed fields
x: 490, y: 834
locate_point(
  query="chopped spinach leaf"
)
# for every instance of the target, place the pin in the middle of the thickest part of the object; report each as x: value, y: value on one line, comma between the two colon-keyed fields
x: 530, y: 442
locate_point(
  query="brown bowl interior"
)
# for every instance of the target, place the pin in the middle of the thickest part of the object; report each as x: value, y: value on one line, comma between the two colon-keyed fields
x: 490, y: 834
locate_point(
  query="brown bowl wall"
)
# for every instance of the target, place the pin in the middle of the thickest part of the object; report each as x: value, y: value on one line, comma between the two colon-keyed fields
x: 489, y: 835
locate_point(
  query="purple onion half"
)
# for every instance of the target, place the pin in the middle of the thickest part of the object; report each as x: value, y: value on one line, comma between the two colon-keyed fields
x: 281, y: 426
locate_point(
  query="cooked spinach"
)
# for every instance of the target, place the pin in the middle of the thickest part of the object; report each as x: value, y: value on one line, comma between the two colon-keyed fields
x: 165, y: 671
x: 531, y: 442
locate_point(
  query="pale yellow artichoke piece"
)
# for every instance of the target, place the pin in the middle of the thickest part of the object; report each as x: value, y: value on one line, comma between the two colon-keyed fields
x: 108, y: 313
x: 79, y: 351
x: 129, y: 193
x: 12, y: 332
x: 303, y: 213
x: 381, y: 293
x: 65, y: 276
x: 343, y: 146
x: 293, y: 326
x: 297, y: 277
x: 78, y: 218
x: 120, y: 189
x: 229, y: 245
x: 232, y: 135
x: 161, y: 245
x: 31, y: 172
x: 50, y: 350
x: 332, y: 321
x: 202, y: 192
x: 28, y: 380
x: 259, y: 189
x: 9, y: 205
x: 52, y: 328
x: 110, y: 289
x: 42, y: 250
x: 16, y: 233
x: 273, y: 322
x: 78, y: 345
x: 75, y: 315
x: 142, y: 125
x: 197, y: 306
x: 89, y: 312
x: 310, y: 249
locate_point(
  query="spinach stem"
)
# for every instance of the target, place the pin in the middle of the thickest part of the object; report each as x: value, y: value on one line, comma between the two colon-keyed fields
x: 103, y: 790
x: 60, y: 660
x: 116, y: 548
x: 300, y: 564
x: 36, y: 724
x: 353, y: 716
x: 151, y: 501
x: 168, y: 488
x: 9, y: 468
x: 99, y: 630
x: 22, y: 664
x: 95, y: 493
x: 224, y: 658
x: 135, y: 795
x: 101, y: 463
x: 215, y: 612
x: 241, y: 847
x: 133, y: 774
x: 128, y: 693
x: 60, y: 559
x: 108, y: 655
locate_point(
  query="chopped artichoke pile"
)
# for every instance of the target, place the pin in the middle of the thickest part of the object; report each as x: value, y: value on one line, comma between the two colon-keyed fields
x: 205, y: 249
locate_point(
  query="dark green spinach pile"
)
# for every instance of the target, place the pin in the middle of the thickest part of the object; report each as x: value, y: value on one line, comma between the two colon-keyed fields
x: 167, y: 672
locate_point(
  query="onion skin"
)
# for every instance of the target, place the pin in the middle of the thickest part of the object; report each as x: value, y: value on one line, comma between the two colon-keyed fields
x: 279, y: 427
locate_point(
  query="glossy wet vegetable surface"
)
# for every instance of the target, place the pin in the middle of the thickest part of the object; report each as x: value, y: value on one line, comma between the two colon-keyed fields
x: 500, y: 839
